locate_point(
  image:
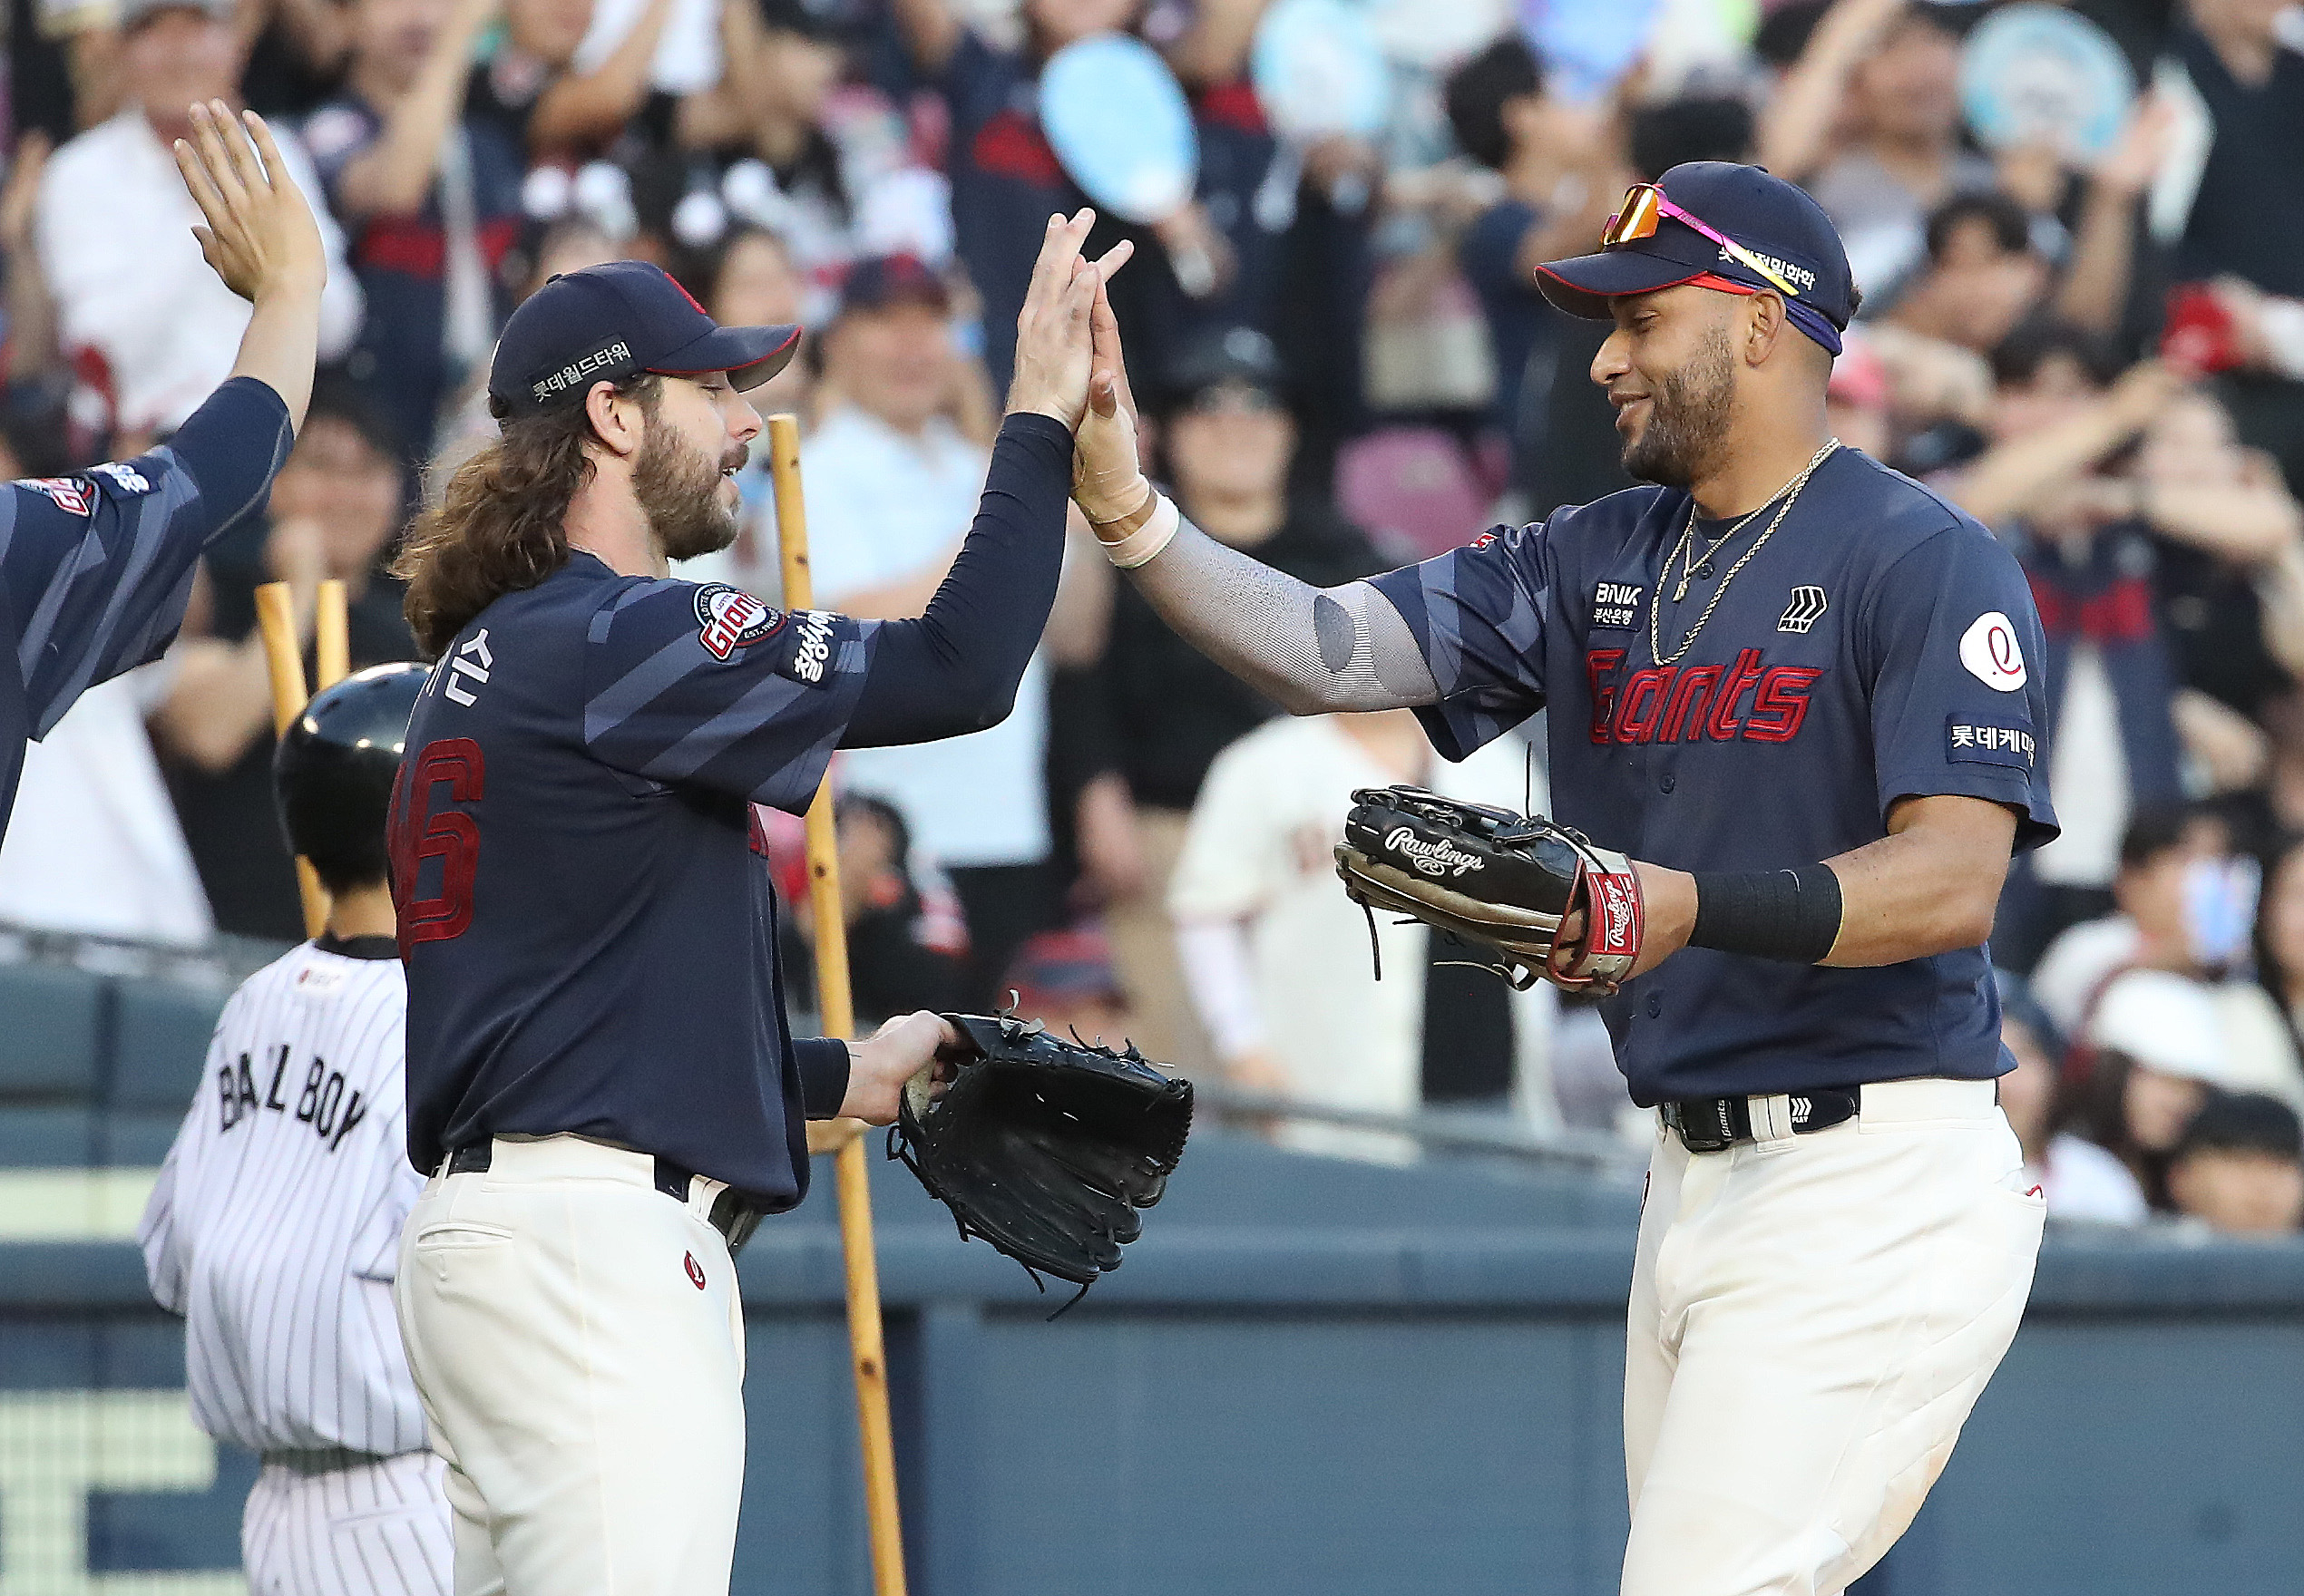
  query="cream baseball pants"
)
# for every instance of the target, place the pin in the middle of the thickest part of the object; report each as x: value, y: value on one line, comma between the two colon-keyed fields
x: 1812, y: 1318
x: 578, y: 1340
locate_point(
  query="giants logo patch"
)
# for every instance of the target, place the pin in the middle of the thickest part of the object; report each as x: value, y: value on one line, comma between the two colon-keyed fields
x: 1744, y: 702
x: 729, y: 619
x: 73, y: 494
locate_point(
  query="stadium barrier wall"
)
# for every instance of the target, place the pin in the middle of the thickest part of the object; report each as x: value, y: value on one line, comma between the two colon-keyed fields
x: 1309, y: 1378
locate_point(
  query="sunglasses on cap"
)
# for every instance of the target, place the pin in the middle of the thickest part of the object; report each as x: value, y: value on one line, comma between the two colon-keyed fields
x: 1644, y: 207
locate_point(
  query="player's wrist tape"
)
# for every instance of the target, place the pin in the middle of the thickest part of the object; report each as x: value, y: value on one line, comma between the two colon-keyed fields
x: 1147, y: 541
x: 1793, y: 915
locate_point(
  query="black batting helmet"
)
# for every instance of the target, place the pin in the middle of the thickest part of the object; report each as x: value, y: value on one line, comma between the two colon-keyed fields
x: 332, y: 772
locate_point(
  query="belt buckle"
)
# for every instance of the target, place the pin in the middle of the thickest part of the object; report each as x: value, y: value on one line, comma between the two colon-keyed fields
x: 1717, y: 1135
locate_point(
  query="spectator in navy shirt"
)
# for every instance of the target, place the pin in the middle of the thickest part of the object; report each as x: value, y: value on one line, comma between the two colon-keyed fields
x: 1005, y: 176
x: 431, y: 196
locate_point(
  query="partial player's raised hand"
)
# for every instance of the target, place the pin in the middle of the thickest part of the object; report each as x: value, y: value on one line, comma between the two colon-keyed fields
x: 1108, y: 478
x: 261, y: 237
x: 1054, y: 352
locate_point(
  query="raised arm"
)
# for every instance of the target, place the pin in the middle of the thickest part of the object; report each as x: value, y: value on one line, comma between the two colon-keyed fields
x: 1311, y: 651
x: 955, y: 668
x: 392, y: 176
x: 262, y: 240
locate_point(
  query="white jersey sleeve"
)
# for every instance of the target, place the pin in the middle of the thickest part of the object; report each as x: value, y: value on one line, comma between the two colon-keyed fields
x: 275, y: 1221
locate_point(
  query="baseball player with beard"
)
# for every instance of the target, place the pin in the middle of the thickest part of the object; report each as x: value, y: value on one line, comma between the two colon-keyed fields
x: 602, y: 1086
x: 1802, y: 692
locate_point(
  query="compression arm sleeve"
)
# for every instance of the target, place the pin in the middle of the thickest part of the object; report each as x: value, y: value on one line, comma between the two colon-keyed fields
x: 1311, y: 650
x: 955, y: 668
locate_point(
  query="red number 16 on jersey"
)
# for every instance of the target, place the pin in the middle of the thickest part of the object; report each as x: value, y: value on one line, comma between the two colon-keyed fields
x: 419, y: 832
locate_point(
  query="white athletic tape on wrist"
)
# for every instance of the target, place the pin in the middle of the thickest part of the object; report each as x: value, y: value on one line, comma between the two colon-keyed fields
x: 1147, y: 541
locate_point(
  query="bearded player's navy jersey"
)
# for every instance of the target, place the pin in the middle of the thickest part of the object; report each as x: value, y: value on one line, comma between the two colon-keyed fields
x: 96, y: 568
x: 1880, y: 646
x: 584, y: 903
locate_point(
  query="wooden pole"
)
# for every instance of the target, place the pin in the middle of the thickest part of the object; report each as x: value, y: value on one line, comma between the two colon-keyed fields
x: 835, y: 1004
x: 331, y: 638
x: 284, y: 661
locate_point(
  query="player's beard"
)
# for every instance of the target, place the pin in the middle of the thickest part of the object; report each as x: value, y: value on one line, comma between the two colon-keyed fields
x: 678, y: 487
x: 1688, y: 417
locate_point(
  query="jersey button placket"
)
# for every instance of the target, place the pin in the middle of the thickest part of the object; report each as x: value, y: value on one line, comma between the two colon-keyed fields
x: 1665, y: 785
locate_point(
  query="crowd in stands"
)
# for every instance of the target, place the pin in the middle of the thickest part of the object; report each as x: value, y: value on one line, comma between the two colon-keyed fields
x: 1345, y: 365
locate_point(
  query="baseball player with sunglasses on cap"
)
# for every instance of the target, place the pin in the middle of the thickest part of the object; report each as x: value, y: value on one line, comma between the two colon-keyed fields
x: 1800, y: 692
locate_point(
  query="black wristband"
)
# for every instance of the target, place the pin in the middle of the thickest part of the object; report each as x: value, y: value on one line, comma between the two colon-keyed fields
x: 1788, y: 914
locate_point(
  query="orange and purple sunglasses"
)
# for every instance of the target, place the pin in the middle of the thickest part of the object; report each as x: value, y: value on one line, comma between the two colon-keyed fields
x: 1645, y: 206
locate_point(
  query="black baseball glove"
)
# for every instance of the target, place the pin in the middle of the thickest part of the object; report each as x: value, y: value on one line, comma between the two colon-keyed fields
x: 1044, y: 1146
x: 1497, y: 878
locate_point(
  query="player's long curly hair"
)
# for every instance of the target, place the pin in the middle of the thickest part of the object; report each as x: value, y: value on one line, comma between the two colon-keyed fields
x: 498, y: 526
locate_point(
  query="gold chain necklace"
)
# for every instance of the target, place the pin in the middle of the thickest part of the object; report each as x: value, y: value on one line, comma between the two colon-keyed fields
x: 1682, y: 550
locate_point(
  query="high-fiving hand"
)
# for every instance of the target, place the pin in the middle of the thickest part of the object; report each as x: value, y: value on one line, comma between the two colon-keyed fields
x: 1108, y: 478
x: 1054, y: 348
x: 261, y: 237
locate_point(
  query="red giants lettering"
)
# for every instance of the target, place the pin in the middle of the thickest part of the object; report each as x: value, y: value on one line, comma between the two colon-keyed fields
x: 1599, y: 671
x: 1744, y: 702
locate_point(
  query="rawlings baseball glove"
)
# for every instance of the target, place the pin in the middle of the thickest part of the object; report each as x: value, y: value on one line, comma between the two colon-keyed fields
x: 1045, y: 1147
x: 1497, y: 878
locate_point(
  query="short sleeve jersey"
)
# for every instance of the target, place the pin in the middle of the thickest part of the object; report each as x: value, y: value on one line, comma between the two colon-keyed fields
x: 1879, y: 646
x: 584, y: 901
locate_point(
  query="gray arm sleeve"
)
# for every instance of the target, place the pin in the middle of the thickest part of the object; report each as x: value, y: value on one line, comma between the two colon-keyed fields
x: 1311, y: 650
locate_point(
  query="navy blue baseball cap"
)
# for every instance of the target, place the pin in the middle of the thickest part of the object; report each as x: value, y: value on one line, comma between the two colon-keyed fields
x: 1719, y: 226
x: 607, y: 323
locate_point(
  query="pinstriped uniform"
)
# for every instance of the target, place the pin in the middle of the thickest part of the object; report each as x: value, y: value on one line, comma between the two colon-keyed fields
x: 275, y: 1231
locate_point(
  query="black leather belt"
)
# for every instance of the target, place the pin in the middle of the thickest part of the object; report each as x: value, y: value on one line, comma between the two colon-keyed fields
x: 1714, y: 1124
x: 732, y: 1215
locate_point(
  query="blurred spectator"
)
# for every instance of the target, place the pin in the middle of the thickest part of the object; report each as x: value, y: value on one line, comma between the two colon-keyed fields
x: 1547, y: 152
x: 904, y: 953
x: 532, y: 88
x: 93, y: 845
x: 1981, y: 274
x: 2230, y: 540
x: 2158, y: 1052
x: 2169, y: 857
x: 751, y: 281
x: 1064, y: 979
x: 892, y: 486
x: 1296, y: 217
x: 134, y: 301
x: 1869, y: 122
x: 1006, y: 181
x: 2250, y: 79
x: 2080, y: 1180
x: 2112, y: 741
x: 1155, y: 712
x: 766, y: 143
x: 336, y: 506
x: 1273, y: 952
x: 1859, y: 404
x: 2261, y: 1018
x: 432, y: 195
x: 2240, y: 1168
